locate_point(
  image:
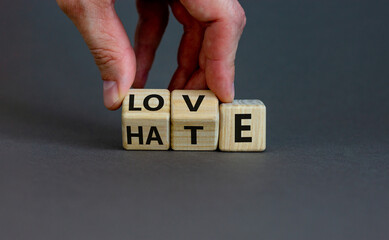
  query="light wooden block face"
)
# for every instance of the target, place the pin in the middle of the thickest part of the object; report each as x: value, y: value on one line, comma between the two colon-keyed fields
x: 146, y: 119
x: 194, y: 120
x: 242, y: 126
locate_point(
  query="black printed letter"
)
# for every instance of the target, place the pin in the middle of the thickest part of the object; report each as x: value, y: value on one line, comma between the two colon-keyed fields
x: 193, y: 133
x: 151, y: 138
x: 239, y: 128
x: 130, y: 135
x: 189, y: 103
x: 131, y: 104
x: 147, y: 99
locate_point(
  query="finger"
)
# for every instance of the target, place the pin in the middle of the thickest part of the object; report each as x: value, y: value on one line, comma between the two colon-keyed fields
x: 197, y: 81
x: 226, y: 20
x: 153, y: 19
x: 188, y: 52
x: 106, y: 38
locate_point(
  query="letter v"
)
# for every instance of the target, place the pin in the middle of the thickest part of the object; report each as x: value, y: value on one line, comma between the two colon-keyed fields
x: 190, y: 105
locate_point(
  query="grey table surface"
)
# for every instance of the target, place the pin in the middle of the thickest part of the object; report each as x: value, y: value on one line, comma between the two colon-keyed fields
x: 321, y: 68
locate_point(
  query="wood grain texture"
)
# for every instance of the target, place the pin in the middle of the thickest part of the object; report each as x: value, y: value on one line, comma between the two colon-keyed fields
x: 194, y: 112
x: 148, y: 109
x: 242, y: 126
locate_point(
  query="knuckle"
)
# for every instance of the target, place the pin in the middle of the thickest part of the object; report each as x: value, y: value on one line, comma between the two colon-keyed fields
x: 105, y: 57
x: 71, y: 7
x: 241, y: 18
x: 74, y: 8
x: 244, y: 20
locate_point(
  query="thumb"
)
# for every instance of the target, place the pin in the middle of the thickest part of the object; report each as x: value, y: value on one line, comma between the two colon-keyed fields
x: 107, y: 40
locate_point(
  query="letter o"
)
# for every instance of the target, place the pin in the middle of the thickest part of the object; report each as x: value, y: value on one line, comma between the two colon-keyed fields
x: 147, y: 99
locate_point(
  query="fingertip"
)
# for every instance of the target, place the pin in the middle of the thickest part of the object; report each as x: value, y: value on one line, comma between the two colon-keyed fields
x: 224, y: 91
x: 178, y: 80
x: 171, y: 87
x: 140, y: 79
x: 230, y: 95
x: 226, y: 96
x: 112, y: 100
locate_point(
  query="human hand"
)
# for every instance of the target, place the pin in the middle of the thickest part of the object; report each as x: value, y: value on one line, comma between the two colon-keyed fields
x: 206, y: 55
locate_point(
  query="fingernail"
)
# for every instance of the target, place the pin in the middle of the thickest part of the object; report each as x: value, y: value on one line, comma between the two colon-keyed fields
x: 232, y: 93
x: 111, y: 93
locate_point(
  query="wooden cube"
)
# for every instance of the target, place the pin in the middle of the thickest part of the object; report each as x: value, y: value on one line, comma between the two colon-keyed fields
x: 195, y: 120
x: 146, y: 119
x: 242, y: 126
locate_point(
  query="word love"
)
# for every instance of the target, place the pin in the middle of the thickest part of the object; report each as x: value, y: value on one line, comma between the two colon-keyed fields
x: 155, y: 119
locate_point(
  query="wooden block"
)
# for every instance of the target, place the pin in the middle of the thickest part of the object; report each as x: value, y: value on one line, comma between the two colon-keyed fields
x: 146, y: 119
x: 195, y: 120
x: 242, y: 126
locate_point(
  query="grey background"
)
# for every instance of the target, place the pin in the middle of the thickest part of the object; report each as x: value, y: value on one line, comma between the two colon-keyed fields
x: 321, y: 68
